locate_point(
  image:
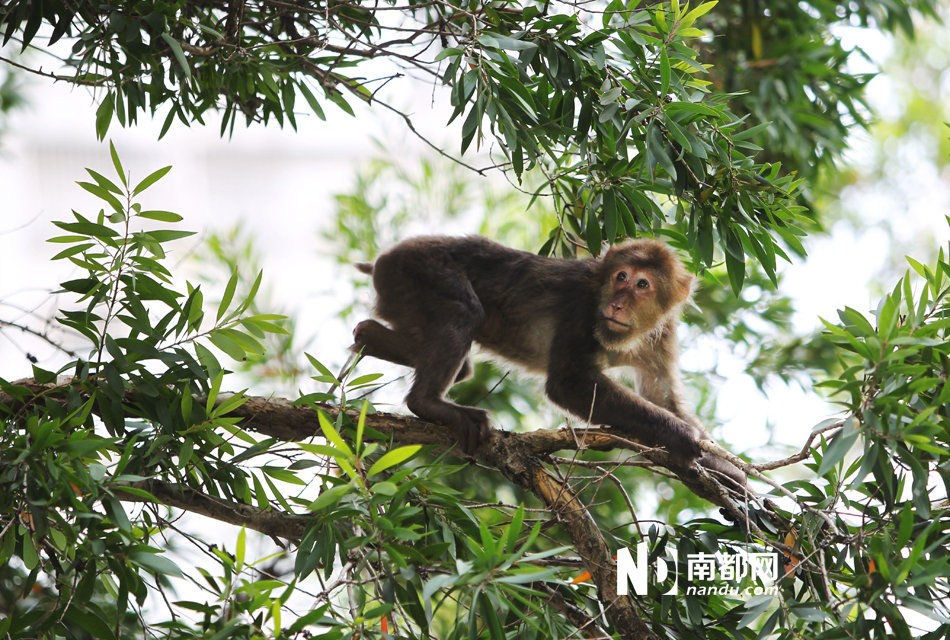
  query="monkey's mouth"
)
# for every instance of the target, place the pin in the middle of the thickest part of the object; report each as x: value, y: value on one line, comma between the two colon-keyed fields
x: 611, y: 321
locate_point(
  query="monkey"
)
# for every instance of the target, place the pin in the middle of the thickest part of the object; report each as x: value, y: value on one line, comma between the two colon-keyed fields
x: 567, y: 319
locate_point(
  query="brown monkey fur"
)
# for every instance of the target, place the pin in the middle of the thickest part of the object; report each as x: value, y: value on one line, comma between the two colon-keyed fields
x: 569, y: 319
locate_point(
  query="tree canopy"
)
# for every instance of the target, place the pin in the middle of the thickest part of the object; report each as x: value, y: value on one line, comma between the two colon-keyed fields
x: 709, y: 125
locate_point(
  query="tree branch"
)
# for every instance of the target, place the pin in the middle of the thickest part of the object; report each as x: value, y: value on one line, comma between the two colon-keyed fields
x: 277, y: 524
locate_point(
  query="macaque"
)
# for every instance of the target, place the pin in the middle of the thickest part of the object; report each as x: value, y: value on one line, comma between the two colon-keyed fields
x: 568, y: 319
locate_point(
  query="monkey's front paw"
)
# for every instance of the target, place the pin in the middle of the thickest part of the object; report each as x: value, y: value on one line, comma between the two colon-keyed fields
x: 474, y: 430
x: 681, y: 443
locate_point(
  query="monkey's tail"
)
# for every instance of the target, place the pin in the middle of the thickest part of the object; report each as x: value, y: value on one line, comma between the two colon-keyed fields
x: 365, y: 267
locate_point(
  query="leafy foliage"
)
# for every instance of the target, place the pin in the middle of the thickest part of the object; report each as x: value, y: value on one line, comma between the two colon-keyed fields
x: 614, y: 123
x: 614, y: 107
x: 128, y: 414
x: 894, y: 389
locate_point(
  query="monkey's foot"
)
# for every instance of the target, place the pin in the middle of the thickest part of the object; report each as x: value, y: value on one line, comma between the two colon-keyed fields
x: 473, y: 429
x: 724, y: 471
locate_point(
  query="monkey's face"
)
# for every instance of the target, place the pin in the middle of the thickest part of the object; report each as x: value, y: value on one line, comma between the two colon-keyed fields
x: 629, y: 305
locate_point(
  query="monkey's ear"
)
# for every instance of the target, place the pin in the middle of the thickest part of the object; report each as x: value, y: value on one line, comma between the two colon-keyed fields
x: 683, y: 287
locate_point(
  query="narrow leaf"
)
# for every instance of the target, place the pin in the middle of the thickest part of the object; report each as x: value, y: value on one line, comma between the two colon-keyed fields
x: 178, y: 53
x: 151, y: 179
x: 392, y: 458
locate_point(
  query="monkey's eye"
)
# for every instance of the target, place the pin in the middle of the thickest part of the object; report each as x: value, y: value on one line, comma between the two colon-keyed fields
x: 622, y: 276
x: 642, y: 283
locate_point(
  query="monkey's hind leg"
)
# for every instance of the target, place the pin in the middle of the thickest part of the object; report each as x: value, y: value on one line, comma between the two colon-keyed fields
x: 372, y: 338
x: 437, y: 367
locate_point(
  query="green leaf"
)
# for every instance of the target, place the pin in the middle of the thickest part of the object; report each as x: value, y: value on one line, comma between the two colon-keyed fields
x: 228, y: 294
x: 167, y: 235
x: 841, y: 444
x: 332, y: 436
x: 239, y: 549
x: 330, y: 497
x: 29, y: 557
x: 104, y: 194
x: 664, y: 72
x: 247, y: 342
x: 445, y: 53
x: 150, y: 179
x: 228, y: 405
x: 117, y: 163
x: 490, y: 616
x: 178, y: 53
x: 513, y: 44
x: 87, y: 228
x: 527, y: 576
x: 690, y: 32
x: 284, y: 475
x: 322, y: 450
x: 385, y: 488
x: 104, y: 182
x: 66, y: 239
x: 155, y: 563
x: 392, y: 458
x: 361, y: 425
x: 340, y: 101
x: 65, y: 253
x: 437, y: 583
x: 227, y: 345
x: 162, y: 216
x: 89, y: 621
x: 118, y: 515
x: 609, y: 208
x: 135, y: 491
x: 697, y: 12
x: 735, y: 260
x: 514, y: 529
x: 213, y: 392
x: 208, y: 361
x: 854, y: 318
x: 594, y: 239
x: 325, y: 374
x: 312, y: 101
x: 362, y: 380
x: 104, y: 116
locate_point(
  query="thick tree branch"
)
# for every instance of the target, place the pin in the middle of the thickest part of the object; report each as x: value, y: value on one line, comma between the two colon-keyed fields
x: 280, y: 418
